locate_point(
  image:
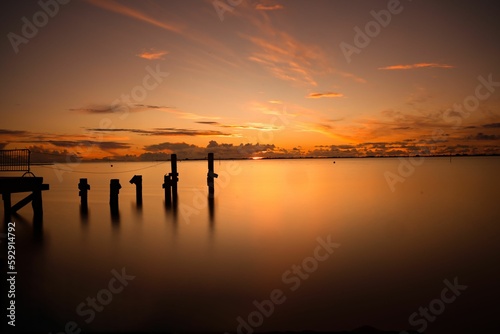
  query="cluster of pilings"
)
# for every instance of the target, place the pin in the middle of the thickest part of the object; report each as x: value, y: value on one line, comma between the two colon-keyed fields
x: 170, y: 181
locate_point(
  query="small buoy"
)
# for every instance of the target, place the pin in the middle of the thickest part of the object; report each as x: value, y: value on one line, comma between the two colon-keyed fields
x: 334, y: 162
x: 111, y: 165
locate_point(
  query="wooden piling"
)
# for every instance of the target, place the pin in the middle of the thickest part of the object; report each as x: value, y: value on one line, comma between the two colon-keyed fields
x: 174, y: 176
x: 36, y: 203
x: 137, y: 180
x: 84, y: 187
x: 167, y: 185
x: 114, y: 190
x: 7, y: 203
x: 210, y: 176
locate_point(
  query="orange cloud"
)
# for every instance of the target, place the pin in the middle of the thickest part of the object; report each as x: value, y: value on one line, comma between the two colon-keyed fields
x: 269, y: 7
x: 152, y: 55
x: 287, y: 58
x: 415, y: 66
x: 327, y: 94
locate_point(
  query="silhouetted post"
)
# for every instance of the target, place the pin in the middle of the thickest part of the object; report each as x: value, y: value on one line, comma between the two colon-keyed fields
x: 36, y: 203
x: 7, y: 203
x: 167, y: 186
x: 114, y: 190
x: 211, y: 175
x: 84, y: 187
x: 174, y: 176
x: 137, y: 180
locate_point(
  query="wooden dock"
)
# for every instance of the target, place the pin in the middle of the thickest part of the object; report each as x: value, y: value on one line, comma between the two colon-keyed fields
x: 32, y: 185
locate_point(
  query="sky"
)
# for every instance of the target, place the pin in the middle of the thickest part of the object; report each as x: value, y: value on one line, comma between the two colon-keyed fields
x: 139, y: 80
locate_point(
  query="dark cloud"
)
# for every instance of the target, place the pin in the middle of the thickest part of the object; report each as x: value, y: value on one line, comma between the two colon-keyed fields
x: 334, y: 151
x: 169, y: 147
x: 99, y: 109
x: 227, y: 151
x: 209, y: 123
x: 42, y: 155
x: 149, y: 106
x: 491, y: 125
x: 249, y: 126
x: 112, y: 108
x: 12, y: 132
x: 103, y: 145
x: 482, y: 136
x: 166, y: 132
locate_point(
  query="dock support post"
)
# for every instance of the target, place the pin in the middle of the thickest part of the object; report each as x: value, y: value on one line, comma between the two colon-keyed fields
x: 168, y: 189
x: 84, y: 187
x: 210, y: 176
x: 174, y: 177
x: 114, y: 190
x: 137, y: 180
x: 36, y: 203
x: 6, y: 205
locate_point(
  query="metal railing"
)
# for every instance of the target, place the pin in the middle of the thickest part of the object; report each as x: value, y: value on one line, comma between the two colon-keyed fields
x: 15, y: 160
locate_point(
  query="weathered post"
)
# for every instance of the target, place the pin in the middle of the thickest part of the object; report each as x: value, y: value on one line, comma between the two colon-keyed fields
x: 174, y: 176
x: 84, y: 187
x: 114, y: 190
x: 7, y: 203
x: 167, y: 186
x: 36, y: 202
x: 137, y: 180
x: 211, y: 175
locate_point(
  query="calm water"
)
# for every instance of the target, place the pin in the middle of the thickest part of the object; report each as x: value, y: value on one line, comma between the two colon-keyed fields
x: 198, y: 268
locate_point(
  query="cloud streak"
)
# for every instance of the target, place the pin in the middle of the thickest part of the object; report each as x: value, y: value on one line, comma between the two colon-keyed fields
x: 118, y: 8
x: 268, y: 7
x: 323, y: 95
x: 153, y: 55
x: 416, y: 66
x: 166, y: 132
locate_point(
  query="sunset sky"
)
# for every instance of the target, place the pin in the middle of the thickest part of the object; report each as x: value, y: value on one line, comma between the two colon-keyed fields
x: 107, y: 78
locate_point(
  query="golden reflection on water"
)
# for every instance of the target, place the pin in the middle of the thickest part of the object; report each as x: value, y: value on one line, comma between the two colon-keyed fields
x: 193, y: 262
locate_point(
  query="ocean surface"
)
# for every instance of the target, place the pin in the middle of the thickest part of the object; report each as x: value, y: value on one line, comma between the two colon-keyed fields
x: 287, y: 245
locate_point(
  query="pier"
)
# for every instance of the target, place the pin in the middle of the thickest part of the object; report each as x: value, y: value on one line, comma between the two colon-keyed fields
x: 19, y: 161
x: 33, y: 185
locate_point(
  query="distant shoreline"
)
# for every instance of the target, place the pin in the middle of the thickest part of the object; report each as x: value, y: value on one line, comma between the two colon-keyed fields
x: 290, y: 158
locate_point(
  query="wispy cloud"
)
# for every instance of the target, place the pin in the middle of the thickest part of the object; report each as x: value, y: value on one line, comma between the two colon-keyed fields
x: 483, y: 136
x: 153, y: 54
x: 159, y: 151
x: 116, y: 7
x: 492, y: 125
x: 416, y: 66
x: 12, y: 132
x: 286, y: 58
x: 321, y: 95
x: 97, y: 109
x: 352, y: 77
x: 268, y: 7
x: 166, y: 132
x: 203, y: 38
x: 103, y: 145
x: 150, y: 106
x: 120, y: 108
x: 111, y: 108
x: 246, y: 126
